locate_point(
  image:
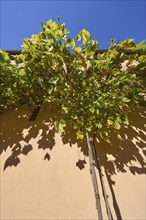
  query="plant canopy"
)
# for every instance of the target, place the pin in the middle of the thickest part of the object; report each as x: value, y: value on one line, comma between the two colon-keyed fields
x: 91, y: 89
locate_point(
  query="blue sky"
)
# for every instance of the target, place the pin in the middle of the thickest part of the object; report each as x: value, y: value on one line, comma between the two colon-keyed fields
x: 103, y: 19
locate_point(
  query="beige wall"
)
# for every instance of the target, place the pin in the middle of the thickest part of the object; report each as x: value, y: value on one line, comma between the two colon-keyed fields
x: 46, y: 176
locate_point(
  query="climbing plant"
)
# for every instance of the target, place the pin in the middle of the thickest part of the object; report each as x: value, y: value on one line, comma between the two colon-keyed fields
x: 93, y: 90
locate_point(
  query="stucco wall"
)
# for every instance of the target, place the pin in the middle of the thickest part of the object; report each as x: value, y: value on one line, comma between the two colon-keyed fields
x: 45, y: 175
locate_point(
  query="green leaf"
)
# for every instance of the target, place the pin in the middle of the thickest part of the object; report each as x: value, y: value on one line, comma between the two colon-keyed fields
x: 97, y: 111
x: 71, y: 42
x: 59, y: 125
x: 54, y: 80
x: 65, y: 109
x: 125, y: 120
x: 128, y: 44
x: 125, y: 99
x: 78, y: 49
x: 89, y: 51
x: 117, y: 125
x: 119, y: 120
x: 141, y: 45
x: 98, y: 125
x: 110, y: 122
x: 86, y: 36
x: 104, y: 135
x: 78, y: 37
x: 91, y: 109
x: 22, y: 72
x: 88, y: 128
x: 66, y: 31
x: 80, y: 135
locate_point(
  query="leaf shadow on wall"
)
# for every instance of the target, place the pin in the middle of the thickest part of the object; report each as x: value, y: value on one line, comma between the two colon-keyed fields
x: 18, y: 134
x: 126, y: 153
x: 128, y: 150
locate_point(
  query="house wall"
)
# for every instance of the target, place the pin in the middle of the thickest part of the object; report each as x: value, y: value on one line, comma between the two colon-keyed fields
x: 45, y: 175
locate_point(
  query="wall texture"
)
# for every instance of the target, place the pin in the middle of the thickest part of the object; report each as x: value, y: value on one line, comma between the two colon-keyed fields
x: 45, y: 175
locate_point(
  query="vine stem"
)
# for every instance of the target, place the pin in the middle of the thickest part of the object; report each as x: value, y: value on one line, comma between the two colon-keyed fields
x: 94, y: 178
x: 36, y: 111
x: 108, y: 210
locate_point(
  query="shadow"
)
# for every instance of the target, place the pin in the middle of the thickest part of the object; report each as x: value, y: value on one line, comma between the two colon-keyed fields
x: 12, y: 161
x: 126, y: 153
x: 26, y: 149
x: 81, y: 164
x: 69, y: 137
x: 127, y: 150
x: 17, y: 133
x: 47, y: 157
x: 115, y: 203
